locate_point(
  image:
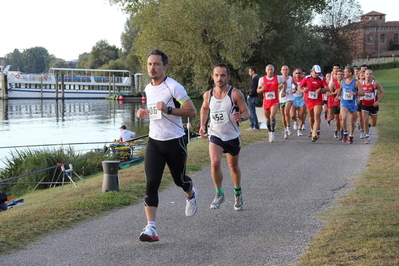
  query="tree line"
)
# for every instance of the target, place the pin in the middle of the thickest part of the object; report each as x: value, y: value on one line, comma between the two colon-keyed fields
x: 197, y: 34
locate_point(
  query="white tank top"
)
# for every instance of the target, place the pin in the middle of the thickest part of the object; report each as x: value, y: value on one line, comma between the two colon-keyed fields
x: 288, y: 91
x: 222, y: 124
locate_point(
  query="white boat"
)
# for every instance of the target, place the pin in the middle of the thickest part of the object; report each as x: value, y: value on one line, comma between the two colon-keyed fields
x: 71, y: 83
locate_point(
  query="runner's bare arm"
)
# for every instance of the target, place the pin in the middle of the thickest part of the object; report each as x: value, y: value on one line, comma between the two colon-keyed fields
x: 242, y: 106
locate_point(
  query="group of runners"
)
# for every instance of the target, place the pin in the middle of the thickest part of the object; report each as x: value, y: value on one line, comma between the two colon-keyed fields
x: 296, y: 96
x: 344, y: 94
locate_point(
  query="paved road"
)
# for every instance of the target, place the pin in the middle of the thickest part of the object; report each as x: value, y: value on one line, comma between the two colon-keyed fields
x: 285, y: 184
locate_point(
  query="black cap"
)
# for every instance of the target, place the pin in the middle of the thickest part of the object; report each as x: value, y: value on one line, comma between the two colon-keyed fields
x: 123, y: 126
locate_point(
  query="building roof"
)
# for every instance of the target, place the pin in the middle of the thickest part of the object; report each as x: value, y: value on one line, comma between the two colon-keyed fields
x: 365, y: 22
x: 374, y: 13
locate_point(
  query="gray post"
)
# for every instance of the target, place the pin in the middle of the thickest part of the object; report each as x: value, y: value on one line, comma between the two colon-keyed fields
x: 111, y: 179
x: 3, y: 86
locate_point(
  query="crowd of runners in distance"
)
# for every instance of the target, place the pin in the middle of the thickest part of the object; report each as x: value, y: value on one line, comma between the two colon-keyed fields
x: 347, y: 96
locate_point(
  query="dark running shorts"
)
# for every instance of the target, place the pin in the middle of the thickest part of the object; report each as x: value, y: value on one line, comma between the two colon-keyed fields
x: 231, y: 146
x: 372, y: 110
x: 336, y: 110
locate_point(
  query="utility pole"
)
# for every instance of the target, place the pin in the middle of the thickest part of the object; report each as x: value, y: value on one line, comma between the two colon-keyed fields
x: 379, y: 38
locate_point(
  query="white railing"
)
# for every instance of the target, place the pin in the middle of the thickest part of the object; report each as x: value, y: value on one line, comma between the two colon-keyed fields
x: 370, y: 61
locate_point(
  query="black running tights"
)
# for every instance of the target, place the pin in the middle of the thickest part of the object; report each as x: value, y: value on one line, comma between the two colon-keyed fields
x: 158, y: 153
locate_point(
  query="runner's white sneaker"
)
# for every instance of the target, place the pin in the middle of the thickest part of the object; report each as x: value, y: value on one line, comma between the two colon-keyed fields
x: 238, y: 203
x: 285, y: 134
x: 299, y: 133
x: 219, y: 198
x: 270, y: 137
x: 295, y: 126
x: 273, y: 137
x: 289, y: 131
x: 191, y: 204
x: 149, y: 234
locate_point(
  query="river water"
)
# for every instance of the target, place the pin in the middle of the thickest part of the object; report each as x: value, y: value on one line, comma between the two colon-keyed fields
x: 33, y: 121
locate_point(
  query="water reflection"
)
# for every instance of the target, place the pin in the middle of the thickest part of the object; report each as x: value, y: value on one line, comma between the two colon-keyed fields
x: 34, y: 121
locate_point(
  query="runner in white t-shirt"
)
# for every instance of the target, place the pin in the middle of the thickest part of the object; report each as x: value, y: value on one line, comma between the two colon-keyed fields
x: 166, y: 142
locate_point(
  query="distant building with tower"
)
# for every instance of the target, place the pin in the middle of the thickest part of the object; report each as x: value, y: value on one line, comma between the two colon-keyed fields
x: 373, y: 36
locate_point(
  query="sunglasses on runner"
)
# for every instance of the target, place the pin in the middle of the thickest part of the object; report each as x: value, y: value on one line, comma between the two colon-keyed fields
x: 298, y: 72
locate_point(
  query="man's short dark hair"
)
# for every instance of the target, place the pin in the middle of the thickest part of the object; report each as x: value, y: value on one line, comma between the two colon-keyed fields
x: 162, y: 54
x: 350, y: 68
x: 336, y: 64
x: 365, y: 65
x: 253, y: 69
x: 225, y: 66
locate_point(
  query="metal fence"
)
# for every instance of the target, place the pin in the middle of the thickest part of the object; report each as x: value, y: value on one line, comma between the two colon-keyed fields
x: 370, y: 61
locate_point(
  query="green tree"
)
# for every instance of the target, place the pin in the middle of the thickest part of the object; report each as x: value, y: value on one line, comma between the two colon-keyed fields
x: 204, y: 34
x: 59, y: 63
x: 128, y: 51
x: 336, y: 32
x: 101, y: 54
x: 197, y: 34
x: 286, y: 36
x: 118, y: 64
x: 83, y: 60
x: 15, y: 59
x: 36, y: 60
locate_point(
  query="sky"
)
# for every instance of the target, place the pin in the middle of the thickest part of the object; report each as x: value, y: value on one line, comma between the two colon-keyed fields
x: 388, y: 7
x: 66, y: 28
x: 69, y: 28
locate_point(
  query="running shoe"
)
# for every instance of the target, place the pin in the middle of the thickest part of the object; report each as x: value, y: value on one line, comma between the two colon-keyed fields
x: 303, y: 126
x: 149, y: 234
x: 285, y: 134
x: 367, y: 141
x: 362, y: 134
x: 238, y: 203
x: 219, y: 199
x: 318, y: 134
x: 289, y: 131
x: 191, y: 204
x: 295, y: 126
x: 325, y: 116
x: 270, y: 137
x: 345, y: 138
x: 335, y: 134
x: 310, y: 134
x: 350, y: 140
x: 299, y: 133
x: 314, y: 137
x: 273, y: 136
x: 328, y: 123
